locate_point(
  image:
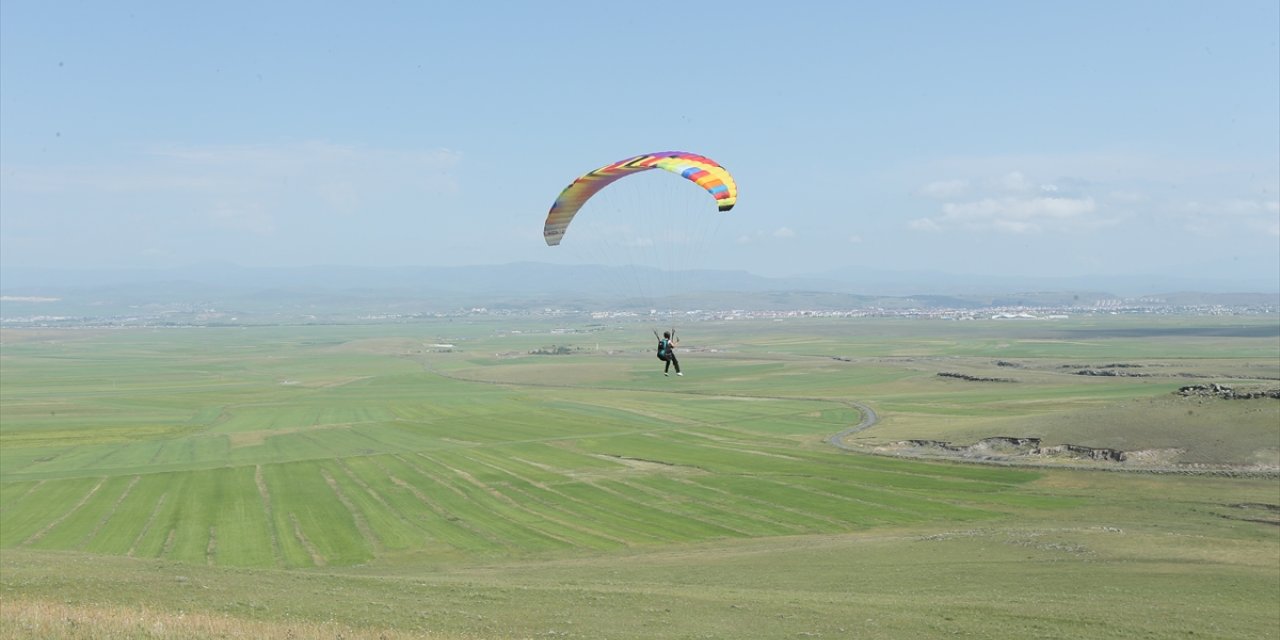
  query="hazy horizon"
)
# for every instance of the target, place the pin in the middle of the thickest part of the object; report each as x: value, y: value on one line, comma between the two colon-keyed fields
x: 541, y: 278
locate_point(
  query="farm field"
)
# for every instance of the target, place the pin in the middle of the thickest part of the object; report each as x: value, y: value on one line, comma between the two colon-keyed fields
x: 450, y: 478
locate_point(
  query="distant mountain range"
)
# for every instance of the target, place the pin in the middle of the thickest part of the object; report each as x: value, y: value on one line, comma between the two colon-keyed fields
x: 1204, y: 280
x: 527, y: 285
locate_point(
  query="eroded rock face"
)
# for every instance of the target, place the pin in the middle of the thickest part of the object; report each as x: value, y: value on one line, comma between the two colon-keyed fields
x: 965, y: 376
x: 1004, y: 446
x: 1110, y: 373
x: 1216, y: 390
x: 1031, y: 451
x: 1081, y: 452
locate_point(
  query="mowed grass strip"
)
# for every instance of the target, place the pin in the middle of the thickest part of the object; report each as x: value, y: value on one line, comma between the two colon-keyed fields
x: 131, y: 515
x: 41, y: 507
x: 541, y: 492
x: 637, y: 516
x: 690, y: 502
x: 70, y: 530
x: 583, y: 493
x: 470, y: 504
x: 423, y: 504
x: 366, y: 490
x: 312, y: 525
x: 508, y: 517
x: 578, y: 522
x: 13, y: 493
x: 241, y: 529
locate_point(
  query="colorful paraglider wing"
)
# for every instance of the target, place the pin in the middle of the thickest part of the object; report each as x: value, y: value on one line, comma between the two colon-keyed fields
x: 704, y: 172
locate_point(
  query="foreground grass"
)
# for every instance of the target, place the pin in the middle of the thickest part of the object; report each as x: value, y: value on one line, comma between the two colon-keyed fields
x: 41, y: 620
x: 1137, y: 557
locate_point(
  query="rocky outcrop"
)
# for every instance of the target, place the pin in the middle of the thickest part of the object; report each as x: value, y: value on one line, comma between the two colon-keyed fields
x: 1114, y: 373
x: 964, y: 376
x: 1080, y: 452
x: 1215, y: 390
x: 1003, y: 447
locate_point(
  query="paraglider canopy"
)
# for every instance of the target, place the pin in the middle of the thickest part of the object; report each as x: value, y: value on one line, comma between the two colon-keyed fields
x: 703, y: 171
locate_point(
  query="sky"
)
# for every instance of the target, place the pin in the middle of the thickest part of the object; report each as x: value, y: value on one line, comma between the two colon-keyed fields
x: 1032, y: 138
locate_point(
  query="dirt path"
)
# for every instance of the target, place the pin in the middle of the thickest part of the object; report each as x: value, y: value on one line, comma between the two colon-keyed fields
x: 869, y: 419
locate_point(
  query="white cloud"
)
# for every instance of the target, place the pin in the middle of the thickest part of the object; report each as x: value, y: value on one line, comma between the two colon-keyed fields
x: 855, y: 239
x: 1128, y: 196
x: 1011, y: 203
x: 945, y: 189
x: 762, y: 236
x: 1009, y: 214
x: 1013, y: 181
x: 925, y: 224
x: 1143, y: 212
x: 1221, y: 217
x: 1017, y: 208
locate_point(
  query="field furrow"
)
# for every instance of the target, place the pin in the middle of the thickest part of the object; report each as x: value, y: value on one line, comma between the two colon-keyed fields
x: 70, y: 515
x: 109, y: 513
x: 555, y: 506
x: 264, y: 496
x: 535, y: 528
x: 147, y: 525
x: 394, y: 528
x: 446, y: 525
x: 357, y: 515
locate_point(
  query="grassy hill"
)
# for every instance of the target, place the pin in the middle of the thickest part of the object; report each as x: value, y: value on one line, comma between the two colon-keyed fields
x: 438, y: 479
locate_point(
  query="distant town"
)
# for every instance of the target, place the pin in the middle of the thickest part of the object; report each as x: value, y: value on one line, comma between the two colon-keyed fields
x: 210, y: 315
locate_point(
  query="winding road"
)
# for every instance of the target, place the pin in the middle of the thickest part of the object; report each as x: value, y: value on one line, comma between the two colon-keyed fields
x: 869, y: 419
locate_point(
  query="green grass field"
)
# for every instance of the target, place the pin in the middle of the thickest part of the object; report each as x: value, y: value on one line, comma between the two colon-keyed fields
x: 359, y: 481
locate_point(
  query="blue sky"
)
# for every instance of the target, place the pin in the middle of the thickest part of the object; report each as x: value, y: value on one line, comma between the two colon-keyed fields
x: 1037, y: 138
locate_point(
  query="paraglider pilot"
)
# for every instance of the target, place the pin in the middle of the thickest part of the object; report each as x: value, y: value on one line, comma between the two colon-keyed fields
x: 667, y: 353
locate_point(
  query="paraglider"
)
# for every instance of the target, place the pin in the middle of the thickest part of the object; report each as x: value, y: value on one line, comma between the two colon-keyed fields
x: 703, y: 171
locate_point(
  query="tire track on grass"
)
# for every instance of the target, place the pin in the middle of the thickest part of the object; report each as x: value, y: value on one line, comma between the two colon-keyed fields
x: 107, y: 516
x: 705, y: 506
x: 146, y: 528
x: 596, y: 484
x: 439, y: 509
x: 211, y: 549
x: 570, y: 523
x: 373, y: 495
x: 265, y: 494
x: 768, y: 504
x: 362, y: 524
x: 675, y: 517
x: 35, y: 537
x: 504, y: 499
x: 10, y: 504
x: 317, y: 558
